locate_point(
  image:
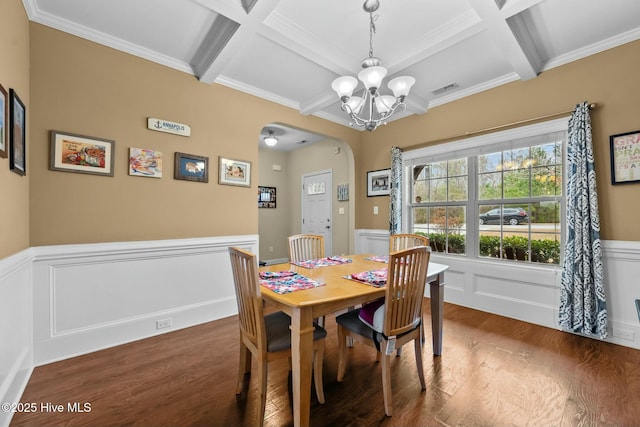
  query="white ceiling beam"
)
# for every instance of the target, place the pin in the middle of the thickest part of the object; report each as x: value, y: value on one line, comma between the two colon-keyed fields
x: 221, y: 46
x: 515, y: 42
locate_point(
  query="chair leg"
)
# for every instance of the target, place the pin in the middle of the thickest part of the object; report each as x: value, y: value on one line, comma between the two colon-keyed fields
x: 418, y: 347
x: 386, y: 380
x: 244, y: 368
x: 262, y: 371
x: 317, y: 370
x: 342, y: 353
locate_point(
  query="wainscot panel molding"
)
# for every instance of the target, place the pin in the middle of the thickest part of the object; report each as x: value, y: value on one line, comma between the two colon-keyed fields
x: 93, y: 296
x: 16, y: 329
x: 530, y: 292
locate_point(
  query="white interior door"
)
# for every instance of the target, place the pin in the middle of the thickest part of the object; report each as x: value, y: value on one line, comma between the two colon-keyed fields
x: 316, y: 207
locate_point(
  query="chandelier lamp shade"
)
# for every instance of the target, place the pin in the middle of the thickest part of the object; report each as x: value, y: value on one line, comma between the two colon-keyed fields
x: 270, y: 139
x: 372, y: 108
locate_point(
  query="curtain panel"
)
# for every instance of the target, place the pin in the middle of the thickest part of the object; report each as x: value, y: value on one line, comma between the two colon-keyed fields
x: 583, y: 307
x: 395, y: 199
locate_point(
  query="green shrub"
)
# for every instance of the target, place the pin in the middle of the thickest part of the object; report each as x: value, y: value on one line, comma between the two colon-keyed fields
x: 543, y: 251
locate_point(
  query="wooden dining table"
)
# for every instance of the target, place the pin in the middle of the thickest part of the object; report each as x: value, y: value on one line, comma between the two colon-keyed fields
x: 337, y: 294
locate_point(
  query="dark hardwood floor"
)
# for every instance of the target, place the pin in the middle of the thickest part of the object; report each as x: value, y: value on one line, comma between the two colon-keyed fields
x: 494, y: 371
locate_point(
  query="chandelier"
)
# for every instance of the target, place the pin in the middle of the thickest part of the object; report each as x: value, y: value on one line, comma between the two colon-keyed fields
x: 372, y: 108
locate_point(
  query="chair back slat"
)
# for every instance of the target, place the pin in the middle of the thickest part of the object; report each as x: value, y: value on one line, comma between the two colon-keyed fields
x: 399, y: 242
x: 250, y: 312
x: 304, y: 247
x: 406, y: 280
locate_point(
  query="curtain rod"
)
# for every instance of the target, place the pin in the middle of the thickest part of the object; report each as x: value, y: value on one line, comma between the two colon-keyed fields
x: 520, y: 122
x: 548, y: 116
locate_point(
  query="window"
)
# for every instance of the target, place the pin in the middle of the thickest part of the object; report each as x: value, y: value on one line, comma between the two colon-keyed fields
x: 502, y: 199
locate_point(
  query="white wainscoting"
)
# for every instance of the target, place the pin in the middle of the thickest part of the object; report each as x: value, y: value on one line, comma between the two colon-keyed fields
x: 532, y: 293
x: 89, y: 297
x: 16, y: 326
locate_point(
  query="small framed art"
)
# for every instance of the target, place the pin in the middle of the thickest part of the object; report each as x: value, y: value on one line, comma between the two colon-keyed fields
x: 625, y: 157
x: 379, y: 183
x: 70, y: 152
x: 234, y: 172
x: 17, y: 135
x: 191, y: 167
x: 143, y: 162
x: 4, y: 120
x: 266, y: 197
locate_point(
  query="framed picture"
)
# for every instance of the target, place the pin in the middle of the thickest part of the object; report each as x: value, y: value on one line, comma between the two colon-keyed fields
x: 266, y: 197
x: 191, y: 167
x: 4, y: 119
x: 17, y: 135
x: 234, y: 172
x: 70, y: 152
x: 379, y: 183
x: 144, y: 162
x: 625, y: 157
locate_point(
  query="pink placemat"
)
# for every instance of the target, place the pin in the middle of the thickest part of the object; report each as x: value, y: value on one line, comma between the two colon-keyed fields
x: 283, y: 282
x: 323, y: 262
x: 376, y: 278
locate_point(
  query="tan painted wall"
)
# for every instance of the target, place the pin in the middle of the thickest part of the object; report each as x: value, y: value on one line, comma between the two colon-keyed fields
x: 274, y: 224
x: 89, y: 89
x: 14, y: 73
x: 609, y: 79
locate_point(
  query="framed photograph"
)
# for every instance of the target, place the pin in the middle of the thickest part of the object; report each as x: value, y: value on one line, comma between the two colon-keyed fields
x: 191, y: 167
x: 266, y: 197
x: 17, y: 135
x: 143, y: 162
x: 4, y: 119
x: 379, y: 183
x: 234, y: 172
x: 625, y: 157
x: 70, y: 152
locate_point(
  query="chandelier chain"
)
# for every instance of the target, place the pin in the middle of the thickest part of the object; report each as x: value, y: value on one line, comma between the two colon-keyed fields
x: 372, y: 31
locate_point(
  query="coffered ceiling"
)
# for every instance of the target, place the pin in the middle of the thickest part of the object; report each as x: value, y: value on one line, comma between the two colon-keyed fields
x: 289, y: 51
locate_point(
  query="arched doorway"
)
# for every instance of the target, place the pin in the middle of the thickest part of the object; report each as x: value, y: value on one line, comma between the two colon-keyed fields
x: 280, y: 170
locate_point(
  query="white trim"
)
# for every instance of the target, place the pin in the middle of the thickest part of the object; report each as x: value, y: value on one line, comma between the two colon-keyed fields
x: 486, y: 142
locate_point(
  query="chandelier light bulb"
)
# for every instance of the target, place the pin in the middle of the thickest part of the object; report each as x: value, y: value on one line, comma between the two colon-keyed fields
x: 355, y: 104
x: 344, y: 86
x: 400, y: 86
x: 372, y: 77
x: 384, y: 103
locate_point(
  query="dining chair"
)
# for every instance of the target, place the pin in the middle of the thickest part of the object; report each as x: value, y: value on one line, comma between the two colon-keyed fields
x: 266, y: 337
x: 303, y: 247
x: 392, y: 322
x: 398, y: 242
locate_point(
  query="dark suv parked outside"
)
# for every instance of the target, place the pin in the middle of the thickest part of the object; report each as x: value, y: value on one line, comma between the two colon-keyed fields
x: 513, y: 216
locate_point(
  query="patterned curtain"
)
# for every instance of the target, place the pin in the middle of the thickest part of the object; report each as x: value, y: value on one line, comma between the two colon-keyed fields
x: 583, y: 307
x: 395, y: 208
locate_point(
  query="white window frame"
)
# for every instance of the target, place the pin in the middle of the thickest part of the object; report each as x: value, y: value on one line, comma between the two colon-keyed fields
x: 474, y: 146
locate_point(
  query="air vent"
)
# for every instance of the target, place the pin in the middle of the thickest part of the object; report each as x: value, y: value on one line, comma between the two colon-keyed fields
x: 446, y: 88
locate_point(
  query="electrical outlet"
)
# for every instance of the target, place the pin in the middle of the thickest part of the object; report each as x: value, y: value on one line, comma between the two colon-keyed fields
x: 623, y: 334
x: 164, y: 323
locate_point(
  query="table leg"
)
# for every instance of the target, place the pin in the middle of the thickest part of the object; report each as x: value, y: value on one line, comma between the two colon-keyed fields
x: 301, y: 363
x: 436, y: 289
